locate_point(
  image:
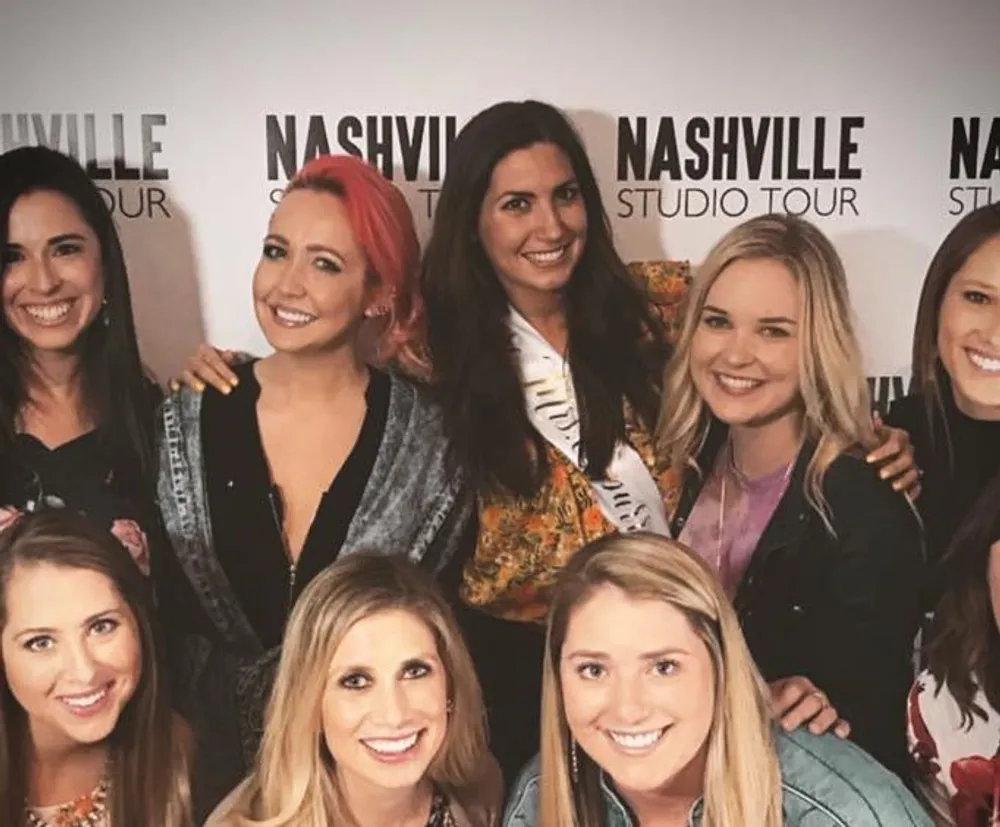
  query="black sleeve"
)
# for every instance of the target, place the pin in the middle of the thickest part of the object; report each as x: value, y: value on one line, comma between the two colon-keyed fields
x: 870, y: 612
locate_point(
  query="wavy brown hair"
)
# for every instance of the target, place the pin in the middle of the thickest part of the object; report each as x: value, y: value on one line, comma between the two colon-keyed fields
x: 963, y: 645
x: 150, y: 746
x: 617, y: 346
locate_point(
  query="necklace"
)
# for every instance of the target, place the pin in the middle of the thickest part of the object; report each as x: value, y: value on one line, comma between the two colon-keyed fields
x: 730, y: 466
x: 87, y: 811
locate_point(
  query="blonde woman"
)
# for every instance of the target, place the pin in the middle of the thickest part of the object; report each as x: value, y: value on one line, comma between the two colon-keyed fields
x: 769, y: 424
x: 654, y: 714
x: 376, y: 717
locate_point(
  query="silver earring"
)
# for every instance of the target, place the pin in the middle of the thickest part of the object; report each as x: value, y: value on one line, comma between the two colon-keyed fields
x: 574, y: 763
x: 450, y: 706
x: 104, y: 312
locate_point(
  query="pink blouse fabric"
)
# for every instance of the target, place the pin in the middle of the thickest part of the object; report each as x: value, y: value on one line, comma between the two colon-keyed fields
x: 749, y: 506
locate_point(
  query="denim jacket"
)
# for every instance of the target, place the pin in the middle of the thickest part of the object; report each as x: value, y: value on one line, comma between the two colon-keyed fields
x: 825, y: 782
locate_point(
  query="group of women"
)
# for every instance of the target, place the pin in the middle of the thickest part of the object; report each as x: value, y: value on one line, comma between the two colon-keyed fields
x: 510, y: 496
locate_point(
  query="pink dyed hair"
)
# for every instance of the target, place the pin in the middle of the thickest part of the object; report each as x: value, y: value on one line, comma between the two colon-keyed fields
x: 384, y: 229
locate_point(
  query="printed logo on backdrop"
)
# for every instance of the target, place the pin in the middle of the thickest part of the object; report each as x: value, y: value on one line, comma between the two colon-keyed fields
x: 738, y: 166
x: 975, y: 163
x: 410, y: 150
x: 884, y: 390
x: 120, y: 153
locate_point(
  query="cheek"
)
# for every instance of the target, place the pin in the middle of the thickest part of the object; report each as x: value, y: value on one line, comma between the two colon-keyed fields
x: 264, y: 279
x: 954, y: 322
x: 582, y: 701
x: 29, y: 677
x: 429, y: 698
x: 84, y: 272
x: 499, y: 237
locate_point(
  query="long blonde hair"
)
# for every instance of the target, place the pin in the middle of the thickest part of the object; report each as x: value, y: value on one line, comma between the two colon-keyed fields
x: 742, y: 778
x: 832, y: 384
x: 294, y: 783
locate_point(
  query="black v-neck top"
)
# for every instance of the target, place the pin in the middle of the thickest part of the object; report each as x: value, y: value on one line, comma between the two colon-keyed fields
x: 78, y: 475
x: 246, y: 509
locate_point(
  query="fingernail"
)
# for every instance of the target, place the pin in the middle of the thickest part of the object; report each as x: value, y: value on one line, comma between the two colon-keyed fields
x: 173, y: 385
x: 227, y: 391
x: 234, y: 381
x: 199, y: 386
x: 883, y: 474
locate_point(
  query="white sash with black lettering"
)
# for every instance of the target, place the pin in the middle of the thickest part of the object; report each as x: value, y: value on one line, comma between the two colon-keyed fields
x: 629, y: 496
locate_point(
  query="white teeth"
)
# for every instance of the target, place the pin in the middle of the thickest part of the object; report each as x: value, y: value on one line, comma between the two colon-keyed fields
x: 549, y: 257
x: 84, y: 701
x: 983, y: 362
x: 738, y: 383
x: 392, y: 746
x: 293, y: 317
x: 48, y: 313
x: 636, y: 740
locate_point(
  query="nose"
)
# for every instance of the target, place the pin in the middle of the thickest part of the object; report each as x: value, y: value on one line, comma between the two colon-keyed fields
x: 42, y: 276
x: 391, y: 704
x: 992, y: 328
x: 629, y: 699
x: 551, y: 225
x: 738, y: 351
x: 291, y: 277
x: 79, y: 664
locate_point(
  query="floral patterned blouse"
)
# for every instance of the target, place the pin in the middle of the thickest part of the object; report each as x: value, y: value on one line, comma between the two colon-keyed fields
x: 957, y: 765
x: 523, y: 544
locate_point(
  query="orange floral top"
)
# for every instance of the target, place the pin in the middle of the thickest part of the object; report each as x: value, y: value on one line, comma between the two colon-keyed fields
x: 522, y: 544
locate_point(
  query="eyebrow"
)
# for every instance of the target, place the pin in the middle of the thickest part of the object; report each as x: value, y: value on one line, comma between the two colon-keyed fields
x: 531, y: 194
x: 974, y: 282
x: 45, y: 630
x: 312, y: 248
x: 657, y: 655
x: 358, y: 667
x: 709, y: 308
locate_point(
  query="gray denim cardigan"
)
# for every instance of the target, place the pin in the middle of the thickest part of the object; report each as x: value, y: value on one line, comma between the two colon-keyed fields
x: 413, y: 504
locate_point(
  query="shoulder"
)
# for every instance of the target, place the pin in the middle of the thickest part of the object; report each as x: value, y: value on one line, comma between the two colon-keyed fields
x: 522, y: 803
x: 822, y: 774
x: 411, y: 403
x: 853, y: 489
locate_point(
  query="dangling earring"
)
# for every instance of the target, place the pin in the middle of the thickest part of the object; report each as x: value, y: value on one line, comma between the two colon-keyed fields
x: 104, y: 312
x: 450, y: 706
x: 574, y: 763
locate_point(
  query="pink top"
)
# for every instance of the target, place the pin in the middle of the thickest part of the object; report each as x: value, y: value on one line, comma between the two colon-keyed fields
x: 749, y: 506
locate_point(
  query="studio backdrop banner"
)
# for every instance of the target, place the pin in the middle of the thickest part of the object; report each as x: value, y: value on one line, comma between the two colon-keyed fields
x: 878, y: 120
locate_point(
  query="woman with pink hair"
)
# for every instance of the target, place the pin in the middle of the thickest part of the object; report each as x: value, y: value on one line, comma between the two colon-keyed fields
x: 312, y: 453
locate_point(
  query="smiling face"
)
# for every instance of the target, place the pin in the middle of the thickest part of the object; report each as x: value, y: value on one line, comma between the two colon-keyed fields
x: 745, y: 350
x: 53, y: 284
x: 310, y: 286
x: 969, y: 333
x: 71, y: 653
x: 385, y: 707
x: 638, y: 689
x: 533, y: 223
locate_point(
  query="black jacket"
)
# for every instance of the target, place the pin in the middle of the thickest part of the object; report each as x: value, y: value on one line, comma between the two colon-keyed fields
x: 841, y: 610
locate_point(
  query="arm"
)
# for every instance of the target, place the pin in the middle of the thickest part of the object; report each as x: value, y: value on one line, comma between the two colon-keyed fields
x: 868, y: 613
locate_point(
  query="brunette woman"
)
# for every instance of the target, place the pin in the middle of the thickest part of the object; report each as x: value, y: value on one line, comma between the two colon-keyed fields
x: 76, y: 406
x: 953, y: 413
x: 87, y: 734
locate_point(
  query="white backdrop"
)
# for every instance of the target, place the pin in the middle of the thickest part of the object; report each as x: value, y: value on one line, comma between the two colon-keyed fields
x: 845, y: 110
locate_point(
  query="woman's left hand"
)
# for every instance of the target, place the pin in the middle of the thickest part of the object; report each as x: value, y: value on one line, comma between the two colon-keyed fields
x: 796, y: 702
x: 897, y: 460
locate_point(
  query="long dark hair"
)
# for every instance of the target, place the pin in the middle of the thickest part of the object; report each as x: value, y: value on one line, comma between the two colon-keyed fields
x: 115, y: 385
x: 617, y: 346
x: 149, y: 745
x: 963, y: 648
x: 930, y: 378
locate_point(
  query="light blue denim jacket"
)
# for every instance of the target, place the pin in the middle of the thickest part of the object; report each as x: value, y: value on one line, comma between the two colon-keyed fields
x: 825, y: 782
